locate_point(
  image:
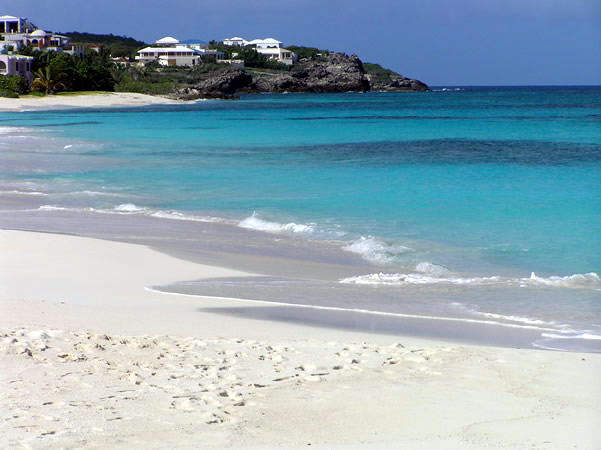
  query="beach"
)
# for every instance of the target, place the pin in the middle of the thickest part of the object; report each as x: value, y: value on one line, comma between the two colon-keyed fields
x: 91, y: 358
x: 92, y: 100
x: 180, y: 286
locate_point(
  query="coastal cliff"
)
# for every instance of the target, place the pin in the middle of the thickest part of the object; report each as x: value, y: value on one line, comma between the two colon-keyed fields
x: 333, y: 73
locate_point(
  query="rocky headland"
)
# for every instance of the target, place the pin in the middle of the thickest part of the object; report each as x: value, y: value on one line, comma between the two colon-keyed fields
x: 332, y: 73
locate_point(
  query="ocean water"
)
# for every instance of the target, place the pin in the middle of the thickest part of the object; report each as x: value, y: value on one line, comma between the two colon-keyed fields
x: 480, y: 204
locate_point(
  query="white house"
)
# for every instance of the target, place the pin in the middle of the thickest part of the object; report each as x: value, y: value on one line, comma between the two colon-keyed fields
x: 282, y: 55
x: 195, y: 44
x: 18, y: 65
x: 15, y: 25
x: 211, y: 54
x: 266, y: 43
x: 168, y: 52
x: 73, y: 49
x: 235, y: 41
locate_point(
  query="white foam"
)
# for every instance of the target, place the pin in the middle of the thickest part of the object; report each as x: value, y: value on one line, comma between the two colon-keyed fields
x: 176, y: 215
x: 94, y: 194
x: 405, y: 279
x: 8, y: 130
x: 17, y: 192
x: 579, y: 280
x: 375, y: 250
x: 431, y: 269
x: 129, y: 208
x: 586, y: 336
x: 132, y: 209
x: 255, y: 223
x: 52, y: 208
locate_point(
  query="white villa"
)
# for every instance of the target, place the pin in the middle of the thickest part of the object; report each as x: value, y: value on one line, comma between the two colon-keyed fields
x: 168, y: 52
x: 18, y: 65
x: 17, y: 32
x: 195, y: 44
x: 15, y: 25
x: 270, y: 47
x: 266, y: 43
x: 235, y: 41
x: 281, y: 55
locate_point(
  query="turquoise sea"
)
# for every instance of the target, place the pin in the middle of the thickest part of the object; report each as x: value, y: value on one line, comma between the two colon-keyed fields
x: 477, y: 203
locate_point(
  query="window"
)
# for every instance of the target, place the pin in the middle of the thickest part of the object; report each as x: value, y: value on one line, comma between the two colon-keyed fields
x: 17, y: 66
x: 2, y: 67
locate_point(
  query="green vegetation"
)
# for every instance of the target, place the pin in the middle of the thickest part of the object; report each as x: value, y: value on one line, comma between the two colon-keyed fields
x: 151, y: 79
x: 378, y: 73
x: 145, y: 87
x: 117, y: 46
x: 93, y: 72
x: 307, y: 52
x: 78, y: 93
x: 12, y: 86
x: 45, y: 80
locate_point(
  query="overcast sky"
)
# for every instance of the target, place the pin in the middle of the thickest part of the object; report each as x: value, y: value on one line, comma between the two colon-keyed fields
x: 441, y: 42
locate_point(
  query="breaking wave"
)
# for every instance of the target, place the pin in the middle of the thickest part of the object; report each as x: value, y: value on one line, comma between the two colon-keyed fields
x: 404, y: 279
x: 588, y: 336
x: 375, y: 250
x: 132, y: 209
x: 17, y: 192
x: 577, y: 281
x: 255, y: 223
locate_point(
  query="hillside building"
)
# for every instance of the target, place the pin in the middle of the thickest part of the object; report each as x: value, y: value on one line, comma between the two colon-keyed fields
x: 168, y: 52
x: 17, y: 65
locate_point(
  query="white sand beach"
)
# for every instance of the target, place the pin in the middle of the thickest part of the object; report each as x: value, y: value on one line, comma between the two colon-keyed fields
x: 87, y: 100
x: 89, y: 358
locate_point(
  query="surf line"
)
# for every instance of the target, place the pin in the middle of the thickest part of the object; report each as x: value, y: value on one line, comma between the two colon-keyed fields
x: 360, y: 311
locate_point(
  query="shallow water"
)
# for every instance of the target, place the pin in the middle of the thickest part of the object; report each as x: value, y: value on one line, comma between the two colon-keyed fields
x: 481, y: 204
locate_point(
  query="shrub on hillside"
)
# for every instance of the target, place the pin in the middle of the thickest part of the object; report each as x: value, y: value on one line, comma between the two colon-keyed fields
x: 15, y: 84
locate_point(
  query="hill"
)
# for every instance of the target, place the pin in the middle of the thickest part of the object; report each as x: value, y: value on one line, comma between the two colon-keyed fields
x: 117, y: 45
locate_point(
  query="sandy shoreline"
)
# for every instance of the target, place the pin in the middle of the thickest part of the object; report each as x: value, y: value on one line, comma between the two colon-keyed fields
x: 100, y: 100
x: 91, y: 358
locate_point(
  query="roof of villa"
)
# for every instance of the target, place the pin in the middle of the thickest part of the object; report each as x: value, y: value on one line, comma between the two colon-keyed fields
x: 266, y: 41
x: 39, y: 33
x: 178, y: 48
x: 8, y: 18
x: 167, y: 40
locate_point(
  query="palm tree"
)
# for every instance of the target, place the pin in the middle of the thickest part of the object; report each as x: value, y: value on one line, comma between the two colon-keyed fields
x: 44, y: 80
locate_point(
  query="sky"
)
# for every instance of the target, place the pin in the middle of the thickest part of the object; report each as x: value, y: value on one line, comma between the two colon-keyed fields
x: 440, y: 42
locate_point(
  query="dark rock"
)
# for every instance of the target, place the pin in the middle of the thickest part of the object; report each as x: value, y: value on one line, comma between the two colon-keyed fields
x: 333, y: 73
x: 336, y: 72
x: 219, y: 84
x: 398, y: 83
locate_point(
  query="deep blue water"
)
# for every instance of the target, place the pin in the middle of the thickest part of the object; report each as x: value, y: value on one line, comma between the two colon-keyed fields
x: 476, y: 182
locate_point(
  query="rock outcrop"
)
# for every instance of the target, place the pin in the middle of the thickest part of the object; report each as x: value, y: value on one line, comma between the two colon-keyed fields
x: 331, y: 73
x: 219, y: 84
x: 397, y: 83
